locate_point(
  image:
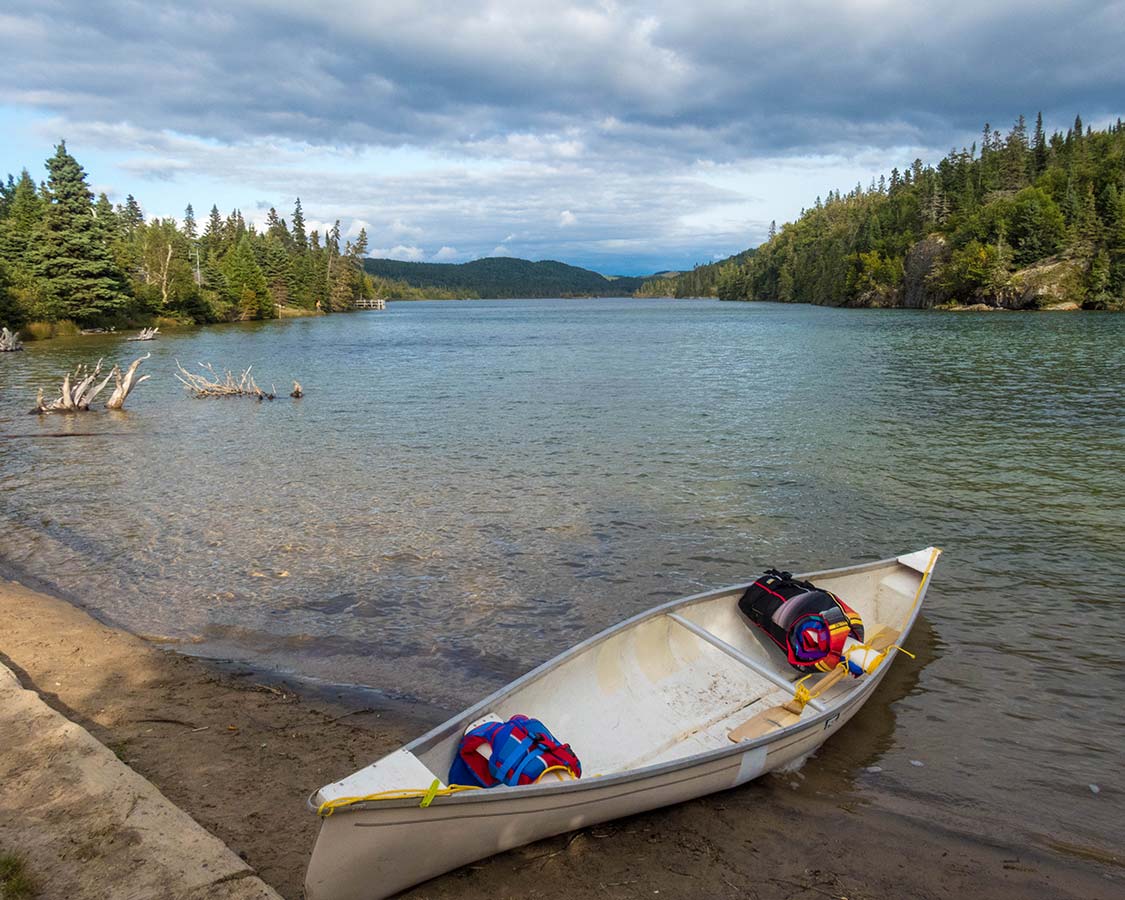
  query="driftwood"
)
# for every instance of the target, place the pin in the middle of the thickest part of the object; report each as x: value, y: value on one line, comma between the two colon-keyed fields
x: 147, y: 334
x: 125, y: 383
x: 79, y: 390
x: 211, y: 384
x: 9, y: 341
x: 297, y: 393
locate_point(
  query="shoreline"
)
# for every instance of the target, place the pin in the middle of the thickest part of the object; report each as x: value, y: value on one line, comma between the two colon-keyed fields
x: 240, y: 751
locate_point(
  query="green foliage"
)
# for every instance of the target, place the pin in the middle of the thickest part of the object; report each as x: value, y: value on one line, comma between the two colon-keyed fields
x: 974, y: 269
x: 65, y: 257
x: 69, y: 258
x: 246, y: 282
x: 15, y: 881
x: 503, y: 277
x: 1015, y: 203
x: 11, y: 314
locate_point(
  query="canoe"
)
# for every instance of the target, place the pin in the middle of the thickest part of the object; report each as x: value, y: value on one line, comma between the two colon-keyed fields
x: 680, y: 701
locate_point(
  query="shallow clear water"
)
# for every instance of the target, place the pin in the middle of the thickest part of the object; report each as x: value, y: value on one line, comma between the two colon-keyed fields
x: 468, y: 488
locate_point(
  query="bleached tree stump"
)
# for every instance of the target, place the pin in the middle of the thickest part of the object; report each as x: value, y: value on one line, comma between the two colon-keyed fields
x: 9, y: 341
x: 79, y: 390
x: 125, y: 384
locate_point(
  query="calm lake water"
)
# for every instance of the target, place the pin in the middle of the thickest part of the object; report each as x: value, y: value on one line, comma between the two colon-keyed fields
x: 469, y: 488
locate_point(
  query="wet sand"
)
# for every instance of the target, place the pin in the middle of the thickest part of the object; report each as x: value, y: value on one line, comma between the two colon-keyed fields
x: 241, y: 752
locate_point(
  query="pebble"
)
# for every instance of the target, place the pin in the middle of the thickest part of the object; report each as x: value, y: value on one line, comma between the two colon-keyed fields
x: 917, y: 762
x: 1094, y: 789
x: 873, y: 769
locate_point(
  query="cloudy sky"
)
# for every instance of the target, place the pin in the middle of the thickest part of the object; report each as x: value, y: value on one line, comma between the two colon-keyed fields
x: 627, y: 137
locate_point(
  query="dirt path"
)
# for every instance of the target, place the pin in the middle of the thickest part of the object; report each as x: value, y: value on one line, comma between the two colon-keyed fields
x: 241, y: 755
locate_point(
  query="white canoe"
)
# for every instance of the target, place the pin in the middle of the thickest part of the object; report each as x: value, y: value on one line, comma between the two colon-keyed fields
x: 648, y: 705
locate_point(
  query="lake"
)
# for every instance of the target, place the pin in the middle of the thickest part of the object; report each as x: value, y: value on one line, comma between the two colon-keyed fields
x: 468, y: 488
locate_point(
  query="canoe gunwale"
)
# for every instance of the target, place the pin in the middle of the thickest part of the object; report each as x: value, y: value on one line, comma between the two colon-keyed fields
x: 857, y: 695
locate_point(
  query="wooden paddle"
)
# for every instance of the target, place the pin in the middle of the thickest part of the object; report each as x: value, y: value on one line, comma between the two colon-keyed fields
x: 790, y: 713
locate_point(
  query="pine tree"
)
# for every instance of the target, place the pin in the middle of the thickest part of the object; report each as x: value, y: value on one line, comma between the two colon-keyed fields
x: 6, y: 192
x: 22, y: 222
x: 11, y: 313
x: 190, y: 229
x: 1039, y: 147
x: 277, y: 268
x: 132, y: 217
x: 246, y: 282
x: 300, y: 239
x: 214, y: 238
x: 78, y: 277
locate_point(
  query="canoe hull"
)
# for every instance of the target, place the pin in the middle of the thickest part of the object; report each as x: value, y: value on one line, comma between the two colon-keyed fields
x: 406, y: 845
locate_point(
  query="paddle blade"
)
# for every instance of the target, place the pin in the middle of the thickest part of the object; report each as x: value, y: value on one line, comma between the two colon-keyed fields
x: 883, y: 639
x: 764, y: 722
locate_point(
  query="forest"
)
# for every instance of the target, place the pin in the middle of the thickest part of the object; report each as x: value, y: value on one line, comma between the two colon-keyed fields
x: 69, y: 261
x: 1019, y: 221
x: 503, y: 277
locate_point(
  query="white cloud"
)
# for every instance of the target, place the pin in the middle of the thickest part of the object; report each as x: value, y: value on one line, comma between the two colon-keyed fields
x: 400, y: 252
x: 500, y: 250
x: 567, y: 218
x: 445, y: 254
x: 401, y: 229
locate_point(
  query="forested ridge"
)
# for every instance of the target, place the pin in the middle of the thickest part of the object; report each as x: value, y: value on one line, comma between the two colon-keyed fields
x: 701, y: 281
x: 1020, y: 221
x: 66, y: 257
x: 504, y: 277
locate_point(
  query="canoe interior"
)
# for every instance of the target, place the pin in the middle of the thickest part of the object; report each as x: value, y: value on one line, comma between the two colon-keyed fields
x: 659, y: 687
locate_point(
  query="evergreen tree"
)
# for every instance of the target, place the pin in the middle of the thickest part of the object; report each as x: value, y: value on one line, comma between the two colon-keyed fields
x: 79, y: 279
x: 190, y: 229
x: 11, y: 313
x: 6, y: 193
x: 277, y: 268
x: 132, y: 217
x: 19, y: 227
x: 300, y: 239
x: 246, y: 282
x: 214, y: 236
x: 1039, y: 147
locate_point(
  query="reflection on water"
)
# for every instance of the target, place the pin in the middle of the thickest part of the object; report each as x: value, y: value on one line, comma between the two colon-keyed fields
x: 468, y: 488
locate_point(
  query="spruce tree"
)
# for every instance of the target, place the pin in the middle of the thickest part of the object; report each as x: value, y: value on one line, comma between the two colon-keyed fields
x: 300, y: 239
x: 190, y: 230
x: 246, y: 282
x: 11, y: 314
x: 132, y: 217
x: 1039, y: 147
x: 77, y: 276
x: 214, y: 236
x: 18, y: 228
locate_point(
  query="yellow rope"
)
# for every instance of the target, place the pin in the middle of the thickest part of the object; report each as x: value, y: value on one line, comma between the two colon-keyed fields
x: 427, y: 796
x: 435, y: 790
x: 802, y: 695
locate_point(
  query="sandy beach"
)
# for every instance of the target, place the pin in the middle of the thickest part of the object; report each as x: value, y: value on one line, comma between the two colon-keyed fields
x: 241, y: 752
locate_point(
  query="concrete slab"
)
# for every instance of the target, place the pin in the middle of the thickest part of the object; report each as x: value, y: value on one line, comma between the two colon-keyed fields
x: 91, y: 827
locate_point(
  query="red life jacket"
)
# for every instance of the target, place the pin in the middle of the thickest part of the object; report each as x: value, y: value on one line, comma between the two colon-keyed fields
x: 521, y: 751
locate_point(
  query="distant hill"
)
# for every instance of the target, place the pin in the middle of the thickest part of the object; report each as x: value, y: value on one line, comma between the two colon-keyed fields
x: 504, y: 277
x: 702, y: 281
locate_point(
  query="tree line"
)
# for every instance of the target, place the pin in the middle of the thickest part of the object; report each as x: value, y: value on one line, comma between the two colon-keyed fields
x: 503, y: 277
x: 66, y: 256
x: 972, y: 229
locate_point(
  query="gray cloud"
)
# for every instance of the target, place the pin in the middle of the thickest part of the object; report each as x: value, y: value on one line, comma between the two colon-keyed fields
x: 600, y: 109
x: 717, y: 78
